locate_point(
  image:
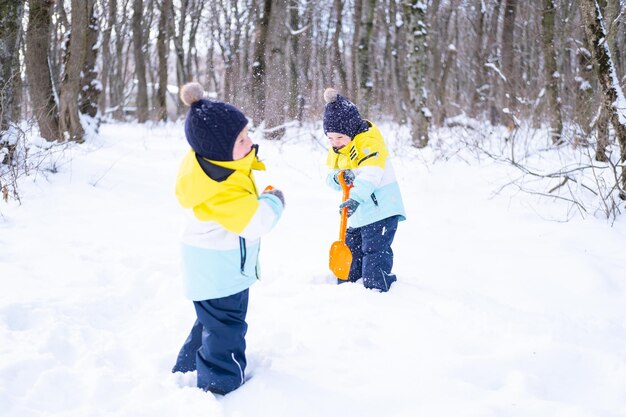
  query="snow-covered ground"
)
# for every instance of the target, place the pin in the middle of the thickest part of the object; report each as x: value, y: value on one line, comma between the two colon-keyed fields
x: 497, y: 311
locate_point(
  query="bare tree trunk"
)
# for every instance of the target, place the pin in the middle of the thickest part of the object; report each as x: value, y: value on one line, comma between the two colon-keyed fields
x: 602, y: 132
x: 614, y: 100
x: 257, y: 85
x: 212, y: 76
x: 41, y: 90
x: 162, y: 49
x: 365, y: 58
x: 228, y: 39
x: 337, y: 61
x: 613, y: 12
x: 419, y: 115
x: 195, y: 15
x: 140, y: 66
x: 11, y: 12
x: 398, y: 74
x: 551, y: 72
x: 306, y: 86
x: 384, y: 75
x: 508, y: 55
x: 90, y: 87
x: 69, y: 119
x: 358, y: 14
x: 106, y: 55
x: 118, y: 80
x: 293, y: 60
x: 18, y: 82
x: 59, y: 38
x: 178, y: 38
x: 478, y: 95
x: 494, y: 58
x: 443, y: 57
x: 276, y: 72
x: 584, y: 97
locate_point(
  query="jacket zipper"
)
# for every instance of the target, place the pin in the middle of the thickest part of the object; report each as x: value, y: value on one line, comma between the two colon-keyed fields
x: 242, y: 253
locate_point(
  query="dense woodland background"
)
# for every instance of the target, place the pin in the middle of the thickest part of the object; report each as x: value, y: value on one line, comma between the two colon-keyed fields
x: 556, y: 64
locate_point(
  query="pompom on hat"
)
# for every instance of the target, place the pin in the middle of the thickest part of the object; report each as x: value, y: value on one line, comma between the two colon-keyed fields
x: 211, y: 127
x: 341, y: 115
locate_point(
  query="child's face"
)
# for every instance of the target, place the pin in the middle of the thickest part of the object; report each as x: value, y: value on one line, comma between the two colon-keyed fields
x: 338, y: 140
x: 243, y: 145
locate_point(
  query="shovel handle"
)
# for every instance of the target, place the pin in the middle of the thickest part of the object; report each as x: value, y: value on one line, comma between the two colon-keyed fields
x: 345, y: 188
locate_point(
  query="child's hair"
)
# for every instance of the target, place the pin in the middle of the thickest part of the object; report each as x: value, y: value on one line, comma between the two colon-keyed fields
x: 341, y: 115
x: 211, y: 126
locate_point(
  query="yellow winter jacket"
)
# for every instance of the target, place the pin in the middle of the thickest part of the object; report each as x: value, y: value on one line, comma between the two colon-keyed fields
x: 231, y: 202
x: 367, y: 149
x: 375, y: 187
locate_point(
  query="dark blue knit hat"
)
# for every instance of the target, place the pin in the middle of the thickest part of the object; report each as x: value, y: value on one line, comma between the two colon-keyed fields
x: 341, y: 115
x: 211, y: 127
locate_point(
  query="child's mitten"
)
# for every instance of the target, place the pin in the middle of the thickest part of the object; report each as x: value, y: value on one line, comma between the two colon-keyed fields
x: 348, y: 176
x: 351, y: 204
x: 276, y: 193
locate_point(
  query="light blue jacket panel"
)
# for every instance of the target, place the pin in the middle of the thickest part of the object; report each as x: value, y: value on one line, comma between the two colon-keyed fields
x: 214, y: 273
x: 382, y: 203
x: 375, y: 203
x: 218, y: 263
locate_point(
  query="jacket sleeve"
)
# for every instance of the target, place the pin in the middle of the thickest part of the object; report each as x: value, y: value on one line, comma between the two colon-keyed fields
x: 330, y: 179
x: 269, y: 210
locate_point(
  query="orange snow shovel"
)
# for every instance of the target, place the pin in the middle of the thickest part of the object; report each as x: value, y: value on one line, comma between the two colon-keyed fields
x: 340, y: 257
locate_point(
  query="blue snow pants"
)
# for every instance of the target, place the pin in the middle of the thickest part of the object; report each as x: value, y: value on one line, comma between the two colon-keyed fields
x: 372, y: 257
x: 216, y: 344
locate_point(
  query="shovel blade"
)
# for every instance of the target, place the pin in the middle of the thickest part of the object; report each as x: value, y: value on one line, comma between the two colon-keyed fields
x: 340, y: 260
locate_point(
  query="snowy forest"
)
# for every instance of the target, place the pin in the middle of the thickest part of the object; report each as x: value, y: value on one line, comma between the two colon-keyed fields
x: 504, y: 122
x: 67, y: 66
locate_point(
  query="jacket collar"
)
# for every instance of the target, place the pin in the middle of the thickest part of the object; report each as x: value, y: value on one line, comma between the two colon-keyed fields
x: 221, y: 170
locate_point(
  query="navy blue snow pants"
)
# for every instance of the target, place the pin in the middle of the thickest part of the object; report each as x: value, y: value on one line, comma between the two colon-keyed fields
x: 216, y: 344
x: 372, y: 257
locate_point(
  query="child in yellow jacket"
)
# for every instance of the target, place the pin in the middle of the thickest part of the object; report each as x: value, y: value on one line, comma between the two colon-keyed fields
x: 220, y: 245
x: 375, y: 207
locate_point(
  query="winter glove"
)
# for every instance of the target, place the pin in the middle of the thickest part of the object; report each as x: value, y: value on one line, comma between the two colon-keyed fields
x: 348, y: 177
x: 276, y: 193
x: 351, y: 204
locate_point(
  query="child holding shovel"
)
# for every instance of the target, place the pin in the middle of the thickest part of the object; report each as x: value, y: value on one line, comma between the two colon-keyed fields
x: 357, y: 149
x: 220, y: 245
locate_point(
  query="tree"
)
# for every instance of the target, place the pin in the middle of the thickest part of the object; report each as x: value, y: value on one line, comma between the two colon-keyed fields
x: 365, y: 57
x: 356, y: 25
x: 551, y: 72
x: 139, y: 49
x: 508, y: 54
x: 11, y: 12
x: 111, y: 8
x: 69, y: 119
x: 90, y: 86
x: 184, y: 26
x: 337, y: 61
x: 418, y: 114
x: 227, y: 19
x: 293, y: 60
x: 42, y: 94
x: 277, y: 89
x: 162, y: 51
x: 445, y: 54
x: 257, y: 86
x: 614, y: 101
